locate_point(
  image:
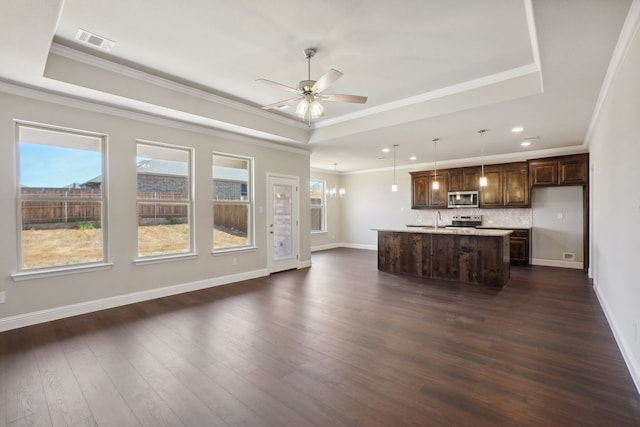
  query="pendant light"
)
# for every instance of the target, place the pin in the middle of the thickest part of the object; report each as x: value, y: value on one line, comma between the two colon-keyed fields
x: 394, y: 187
x: 335, y: 191
x: 483, y: 178
x: 435, y: 185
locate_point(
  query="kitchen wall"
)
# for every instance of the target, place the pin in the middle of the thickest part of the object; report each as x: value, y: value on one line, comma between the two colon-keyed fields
x: 614, y: 146
x: 125, y: 281
x: 557, y: 227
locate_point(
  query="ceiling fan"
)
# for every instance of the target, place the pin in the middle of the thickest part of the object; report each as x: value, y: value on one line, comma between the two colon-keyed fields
x: 311, y: 91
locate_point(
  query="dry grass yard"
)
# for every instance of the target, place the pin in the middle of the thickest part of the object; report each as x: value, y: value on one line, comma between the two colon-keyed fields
x: 44, y: 248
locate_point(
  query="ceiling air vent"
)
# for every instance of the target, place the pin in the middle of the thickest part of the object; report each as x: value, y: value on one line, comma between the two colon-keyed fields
x: 94, y: 40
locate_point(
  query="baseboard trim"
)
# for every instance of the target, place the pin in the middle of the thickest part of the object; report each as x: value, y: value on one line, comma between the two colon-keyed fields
x: 556, y: 263
x: 359, y: 246
x: 325, y: 247
x: 22, y: 320
x: 623, y: 345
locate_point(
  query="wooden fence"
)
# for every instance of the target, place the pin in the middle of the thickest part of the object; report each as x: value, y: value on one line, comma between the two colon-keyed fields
x: 153, y: 208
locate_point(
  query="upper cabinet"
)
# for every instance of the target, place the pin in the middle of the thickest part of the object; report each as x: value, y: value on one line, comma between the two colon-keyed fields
x: 419, y: 192
x: 565, y: 170
x: 423, y: 196
x: 492, y: 196
x: 438, y: 198
x: 508, y: 184
x: 464, y: 179
x: 516, y: 185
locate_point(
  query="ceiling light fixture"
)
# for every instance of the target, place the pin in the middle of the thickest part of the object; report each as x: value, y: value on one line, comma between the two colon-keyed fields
x: 394, y: 187
x: 525, y: 143
x: 435, y: 185
x: 413, y: 158
x: 333, y: 192
x: 483, y: 179
x: 386, y: 150
x: 517, y: 129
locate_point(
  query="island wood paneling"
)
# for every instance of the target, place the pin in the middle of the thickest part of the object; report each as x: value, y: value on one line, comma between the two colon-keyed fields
x: 461, y: 257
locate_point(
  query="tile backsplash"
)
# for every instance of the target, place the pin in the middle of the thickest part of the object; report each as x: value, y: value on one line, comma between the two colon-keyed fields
x: 516, y: 218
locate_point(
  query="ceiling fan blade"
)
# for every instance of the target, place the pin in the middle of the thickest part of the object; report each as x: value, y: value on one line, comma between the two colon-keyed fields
x: 279, y: 85
x: 326, y: 80
x: 342, y: 98
x: 281, y: 103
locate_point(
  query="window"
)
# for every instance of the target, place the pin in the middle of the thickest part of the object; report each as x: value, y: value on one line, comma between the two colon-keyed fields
x: 232, y: 202
x: 318, y: 217
x: 61, y: 197
x: 164, y: 200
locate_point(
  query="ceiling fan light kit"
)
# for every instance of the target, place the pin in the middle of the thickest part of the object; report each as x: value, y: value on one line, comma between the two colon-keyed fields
x: 311, y: 91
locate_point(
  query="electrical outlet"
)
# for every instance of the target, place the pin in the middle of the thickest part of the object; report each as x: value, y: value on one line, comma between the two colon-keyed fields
x: 3, y: 297
x: 234, y: 261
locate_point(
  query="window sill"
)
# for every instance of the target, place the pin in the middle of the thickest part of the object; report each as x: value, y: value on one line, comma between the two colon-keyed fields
x: 234, y: 250
x: 164, y: 258
x: 59, y: 271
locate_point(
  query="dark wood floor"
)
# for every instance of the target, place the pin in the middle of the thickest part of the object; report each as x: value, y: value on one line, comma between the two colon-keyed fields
x: 337, y: 344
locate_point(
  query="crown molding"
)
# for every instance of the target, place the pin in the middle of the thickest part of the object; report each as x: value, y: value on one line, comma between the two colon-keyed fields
x: 630, y: 30
x: 67, y: 101
x: 94, y: 61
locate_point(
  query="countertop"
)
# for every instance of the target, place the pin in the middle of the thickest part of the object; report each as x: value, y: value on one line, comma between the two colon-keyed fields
x: 441, y: 230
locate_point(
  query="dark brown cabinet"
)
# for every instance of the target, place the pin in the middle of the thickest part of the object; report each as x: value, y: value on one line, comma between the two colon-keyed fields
x: 423, y: 196
x: 464, y: 179
x: 492, y: 196
x: 507, y: 186
x: 419, y: 192
x: 516, y: 185
x: 543, y: 172
x: 566, y: 170
x: 573, y: 170
x: 519, y: 244
x: 438, y: 198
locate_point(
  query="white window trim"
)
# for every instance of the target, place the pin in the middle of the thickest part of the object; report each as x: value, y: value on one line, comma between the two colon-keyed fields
x: 324, y: 228
x: 251, y: 246
x: 190, y: 208
x: 57, y: 270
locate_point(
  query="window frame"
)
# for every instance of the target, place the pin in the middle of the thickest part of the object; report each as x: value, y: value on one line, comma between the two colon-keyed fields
x: 191, y: 252
x: 250, y: 203
x: 323, y: 206
x: 62, y: 269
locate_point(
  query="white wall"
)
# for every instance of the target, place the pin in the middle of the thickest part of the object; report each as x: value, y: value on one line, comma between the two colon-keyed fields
x: 47, y: 295
x: 614, y: 148
x: 370, y: 204
x: 557, y: 226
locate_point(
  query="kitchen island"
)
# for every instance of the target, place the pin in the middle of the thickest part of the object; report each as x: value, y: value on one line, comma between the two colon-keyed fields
x: 477, y: 256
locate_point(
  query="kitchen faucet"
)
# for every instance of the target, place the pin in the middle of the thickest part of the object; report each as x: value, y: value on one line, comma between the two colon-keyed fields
x: 435, y: 219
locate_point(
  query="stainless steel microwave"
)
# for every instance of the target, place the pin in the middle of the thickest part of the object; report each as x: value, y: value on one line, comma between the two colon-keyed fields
x: 462, y: 199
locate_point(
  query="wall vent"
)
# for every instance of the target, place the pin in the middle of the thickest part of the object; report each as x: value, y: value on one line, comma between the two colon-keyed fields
x: 568, y: 256
x: 94, y: 40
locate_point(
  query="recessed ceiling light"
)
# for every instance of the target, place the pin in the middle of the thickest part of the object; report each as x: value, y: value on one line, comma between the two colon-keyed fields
x: 517, y: 129
x: 386, y: 150
x: 412, y: 158
x: 525, y: 143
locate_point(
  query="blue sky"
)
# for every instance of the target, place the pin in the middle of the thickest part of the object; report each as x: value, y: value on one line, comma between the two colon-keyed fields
x: 48, y: 166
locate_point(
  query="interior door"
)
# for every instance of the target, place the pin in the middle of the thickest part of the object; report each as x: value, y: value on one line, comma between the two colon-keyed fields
x: 283, y: 222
